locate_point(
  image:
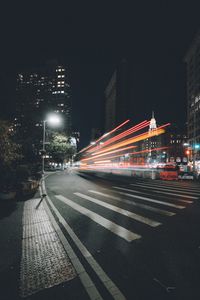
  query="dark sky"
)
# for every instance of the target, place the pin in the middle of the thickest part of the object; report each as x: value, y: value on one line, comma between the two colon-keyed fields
x: 92, y: 37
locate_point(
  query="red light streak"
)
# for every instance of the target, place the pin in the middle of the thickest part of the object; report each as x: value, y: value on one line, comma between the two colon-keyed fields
x: 114, y: 151
x: 104, y: 135
x: 102, y: 161
x: 132, y: 140
x: 152, y: 149
x: 106, y: 150
x: 123, y: 134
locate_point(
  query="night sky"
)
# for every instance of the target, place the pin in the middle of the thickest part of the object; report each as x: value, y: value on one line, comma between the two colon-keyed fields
x: 91, y: 38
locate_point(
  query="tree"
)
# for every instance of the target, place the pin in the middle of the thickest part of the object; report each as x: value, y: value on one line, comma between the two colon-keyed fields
x: 60, y: 148
x: 9, y: 150
x: 9, y: 156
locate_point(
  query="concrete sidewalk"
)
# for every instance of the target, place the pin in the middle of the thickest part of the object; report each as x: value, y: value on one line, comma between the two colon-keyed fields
x: 33, y: 262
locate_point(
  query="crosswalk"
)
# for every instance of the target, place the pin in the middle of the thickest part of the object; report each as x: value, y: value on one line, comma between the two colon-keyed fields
x: 142, y: 202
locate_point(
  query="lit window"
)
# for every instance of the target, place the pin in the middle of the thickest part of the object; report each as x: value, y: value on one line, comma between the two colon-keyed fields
x: 62, y: 92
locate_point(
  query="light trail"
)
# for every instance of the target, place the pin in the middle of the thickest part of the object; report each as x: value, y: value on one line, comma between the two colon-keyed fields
x: 114, y: 151
x: 132, y: 140
x: 129, y: 131
x: 105, y: 135
x: 103, y: 156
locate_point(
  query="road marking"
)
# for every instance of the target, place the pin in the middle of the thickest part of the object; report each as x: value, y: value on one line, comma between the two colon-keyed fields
x: 180, y: 188
x: 121, y: 211
x: 108, y: 283
x: 83, y: 275
x: 113, y: 227
x: 172, y: 184
x: 146, y: 198
x: 161, y: 191
x: 141, y: 192
x: 144, y: 206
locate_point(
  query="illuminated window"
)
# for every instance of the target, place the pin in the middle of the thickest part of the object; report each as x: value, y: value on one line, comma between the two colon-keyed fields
x: 62, y: 92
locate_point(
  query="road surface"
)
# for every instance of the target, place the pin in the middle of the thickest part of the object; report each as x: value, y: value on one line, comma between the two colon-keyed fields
x: 140, y: 237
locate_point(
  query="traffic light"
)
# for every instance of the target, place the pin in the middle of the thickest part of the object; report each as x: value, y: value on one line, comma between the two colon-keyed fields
x: 187, y: 152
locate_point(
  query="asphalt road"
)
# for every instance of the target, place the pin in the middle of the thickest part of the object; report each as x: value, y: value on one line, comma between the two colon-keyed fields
x: 143, y: 235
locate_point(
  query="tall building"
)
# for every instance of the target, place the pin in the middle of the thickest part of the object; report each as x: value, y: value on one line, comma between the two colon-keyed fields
x: 151, y: 145
x: 60, y: 100
x: 192, y: 59
x: 38, y: 93
x: 117, y: 97
x: 41, y: 92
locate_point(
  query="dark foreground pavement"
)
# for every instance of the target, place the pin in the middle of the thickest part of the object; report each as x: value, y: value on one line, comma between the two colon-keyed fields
x: 24, y: 230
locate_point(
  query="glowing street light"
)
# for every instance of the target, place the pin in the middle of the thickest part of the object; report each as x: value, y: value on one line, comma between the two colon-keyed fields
x: 54, y: 120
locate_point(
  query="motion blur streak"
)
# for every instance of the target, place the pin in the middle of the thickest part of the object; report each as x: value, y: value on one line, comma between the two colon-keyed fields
x: 122, y: 135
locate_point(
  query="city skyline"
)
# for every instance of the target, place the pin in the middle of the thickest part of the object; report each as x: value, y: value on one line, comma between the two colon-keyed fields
x: 155, y: 53
x: 100, y: 150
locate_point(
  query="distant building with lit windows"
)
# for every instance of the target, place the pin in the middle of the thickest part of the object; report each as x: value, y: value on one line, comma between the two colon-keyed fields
x: 175, y: 139
x: 47, y: 90
x: 192, y: 60
x: 151, y: 145
x: 38, y: 93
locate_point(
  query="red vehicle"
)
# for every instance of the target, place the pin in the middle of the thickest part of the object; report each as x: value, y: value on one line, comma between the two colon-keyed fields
x: 169, y: 172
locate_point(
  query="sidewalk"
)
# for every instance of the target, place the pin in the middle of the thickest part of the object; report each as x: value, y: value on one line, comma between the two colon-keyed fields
x: 33, y: 262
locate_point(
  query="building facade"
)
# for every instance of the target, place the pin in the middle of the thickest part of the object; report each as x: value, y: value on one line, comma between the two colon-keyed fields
x: 42, y: 92
x: 192, y: 60
x: 38, y: 93
x: 117, y: 106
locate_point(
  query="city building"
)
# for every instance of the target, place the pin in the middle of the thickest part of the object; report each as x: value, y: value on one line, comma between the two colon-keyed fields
x: 38, y: 93
x: 176, y: 142
x: 47, y: 90
x: 117, y: 106
x: 192, y: 60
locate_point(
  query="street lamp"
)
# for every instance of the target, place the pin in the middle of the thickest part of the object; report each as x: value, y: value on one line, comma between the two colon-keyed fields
x: 52, y: 119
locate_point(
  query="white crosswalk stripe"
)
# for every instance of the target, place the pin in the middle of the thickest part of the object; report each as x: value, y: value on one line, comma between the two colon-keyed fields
x: 172, y: 184
x: 147, y: 198
x: 119, y: 210
x: 123, y: 197
x: 163, y: 191
x: 160, y: 194
x: 180, y: 190
x: 113, y: 227
x: 139, y: 205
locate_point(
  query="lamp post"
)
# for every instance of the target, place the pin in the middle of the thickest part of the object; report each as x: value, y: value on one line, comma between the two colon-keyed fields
x: 53, y: 120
